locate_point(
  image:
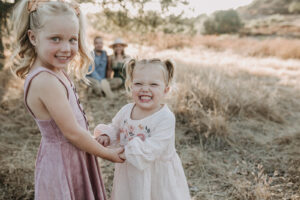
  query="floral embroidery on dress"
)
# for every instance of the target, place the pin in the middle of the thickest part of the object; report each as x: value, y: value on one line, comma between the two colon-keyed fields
x: 131, y: 131
x: 141, y: 127
x: 148, y: 131
x: 128, y: 132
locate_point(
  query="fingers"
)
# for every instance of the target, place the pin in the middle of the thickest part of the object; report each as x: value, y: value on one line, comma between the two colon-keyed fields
x: 119, y: 150
x: 105, y: 142
x: 122, y: 156
x: 118, y: 160
x: 116, y: 155
x: 100, y: 140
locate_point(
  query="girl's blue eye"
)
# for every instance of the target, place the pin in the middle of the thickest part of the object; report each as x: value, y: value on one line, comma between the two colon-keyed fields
x: 154, y: 84
x: 137, y: 84
x: 73, y: 40
x: 55, y: 39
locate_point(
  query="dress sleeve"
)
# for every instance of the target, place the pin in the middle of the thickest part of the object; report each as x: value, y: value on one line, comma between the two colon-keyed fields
x: 112, y: 130
x: 142, y: 153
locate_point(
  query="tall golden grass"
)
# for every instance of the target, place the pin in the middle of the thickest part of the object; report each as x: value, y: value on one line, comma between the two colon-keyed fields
x: 210, y: 97
x: 233, y: 119
x: 274, y: 47
x: 237, y: 134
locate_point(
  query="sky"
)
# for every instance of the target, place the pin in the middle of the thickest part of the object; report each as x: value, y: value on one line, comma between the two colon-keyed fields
x: 195, y: 7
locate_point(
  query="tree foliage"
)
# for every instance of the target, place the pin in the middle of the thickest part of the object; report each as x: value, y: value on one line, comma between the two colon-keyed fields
x: 5, y: 8
x: 224, y: 21
x: 144, y: 21
x: 294, y: 7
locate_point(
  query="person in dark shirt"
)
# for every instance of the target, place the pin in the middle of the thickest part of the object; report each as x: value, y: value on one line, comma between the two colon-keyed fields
x: 117, y: 59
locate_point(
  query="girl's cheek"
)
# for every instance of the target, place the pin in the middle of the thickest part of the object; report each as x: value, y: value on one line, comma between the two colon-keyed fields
x: 75, y: 46
x: 75, y: 49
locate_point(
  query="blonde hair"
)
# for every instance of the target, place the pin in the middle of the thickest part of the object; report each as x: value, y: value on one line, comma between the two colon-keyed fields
x: 168, y: 68
x: 23, y: 20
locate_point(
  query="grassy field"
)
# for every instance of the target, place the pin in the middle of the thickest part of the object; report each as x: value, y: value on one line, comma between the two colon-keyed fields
x: 238, y: 131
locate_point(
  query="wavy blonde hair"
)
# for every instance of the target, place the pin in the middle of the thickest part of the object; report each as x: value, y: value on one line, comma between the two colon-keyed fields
x: 168, y: 68
x: 23, y: 20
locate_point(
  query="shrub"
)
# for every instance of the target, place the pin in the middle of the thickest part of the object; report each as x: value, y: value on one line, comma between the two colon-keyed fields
x: 294, y: 7
x: 225, y: 21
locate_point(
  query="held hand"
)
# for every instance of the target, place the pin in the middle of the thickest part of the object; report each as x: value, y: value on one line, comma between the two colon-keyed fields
x: 103, y: 140
x: 122, y: 156
x: 114, y: 155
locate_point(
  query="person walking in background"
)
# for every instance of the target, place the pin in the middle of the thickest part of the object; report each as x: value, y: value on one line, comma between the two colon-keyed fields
x: 50, y: 35
x: 117, y: 59
x: 98, y: 77
x: 146, y: 129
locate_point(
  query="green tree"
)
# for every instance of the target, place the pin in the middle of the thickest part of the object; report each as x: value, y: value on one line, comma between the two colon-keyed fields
x: 294, y: 7
x: 224, y: 21
x: 5, y: 8
x: 144, y: 21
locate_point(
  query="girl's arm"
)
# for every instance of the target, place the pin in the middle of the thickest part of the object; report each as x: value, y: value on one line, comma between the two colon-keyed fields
x: 141, y: 153
x: 53, y: 96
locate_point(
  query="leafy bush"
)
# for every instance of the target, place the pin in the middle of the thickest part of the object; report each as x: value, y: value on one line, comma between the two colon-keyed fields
x: 294, y: 7
x: 225, y: 21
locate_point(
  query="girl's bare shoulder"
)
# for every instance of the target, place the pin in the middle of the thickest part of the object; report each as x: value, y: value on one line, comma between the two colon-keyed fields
x: 45, y: 82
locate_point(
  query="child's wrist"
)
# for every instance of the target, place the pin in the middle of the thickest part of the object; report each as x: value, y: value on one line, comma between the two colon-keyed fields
x: 106, y: 153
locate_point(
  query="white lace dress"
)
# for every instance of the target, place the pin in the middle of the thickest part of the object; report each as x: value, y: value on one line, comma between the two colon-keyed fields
x: 153, y: 169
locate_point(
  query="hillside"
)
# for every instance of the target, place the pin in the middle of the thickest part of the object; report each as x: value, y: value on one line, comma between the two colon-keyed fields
x: 271, y: 18
x: 260, y: 8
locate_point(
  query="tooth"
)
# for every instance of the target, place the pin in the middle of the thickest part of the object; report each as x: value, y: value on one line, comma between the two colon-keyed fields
x: 145, y: 97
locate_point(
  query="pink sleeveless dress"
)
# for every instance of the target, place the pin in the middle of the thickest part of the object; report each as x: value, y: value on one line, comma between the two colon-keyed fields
x: 64, y: 172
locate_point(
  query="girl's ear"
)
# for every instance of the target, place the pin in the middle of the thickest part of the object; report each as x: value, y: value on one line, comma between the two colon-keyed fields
x: 32, y: 37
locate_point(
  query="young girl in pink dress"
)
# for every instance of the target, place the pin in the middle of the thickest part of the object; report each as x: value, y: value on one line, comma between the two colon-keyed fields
x: 50, y: 38
x: 146, y: 129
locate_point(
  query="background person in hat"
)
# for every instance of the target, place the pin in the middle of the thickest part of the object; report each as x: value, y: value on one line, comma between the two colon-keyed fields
x: 117, y: 60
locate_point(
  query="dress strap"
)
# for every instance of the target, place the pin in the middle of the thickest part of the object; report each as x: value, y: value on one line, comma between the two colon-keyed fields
x: 29, y: 79
x: 77, y: 99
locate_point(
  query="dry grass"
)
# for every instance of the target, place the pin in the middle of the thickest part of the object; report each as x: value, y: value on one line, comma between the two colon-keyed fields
x: 238, y: 132
x: 238, y: 118
x: 269, y: 47
x: 214, y: 96
x: 274, y: 47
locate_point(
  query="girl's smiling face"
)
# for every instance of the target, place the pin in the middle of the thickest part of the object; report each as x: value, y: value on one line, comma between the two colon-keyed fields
x: 148, y: 87
x: 56, y: 43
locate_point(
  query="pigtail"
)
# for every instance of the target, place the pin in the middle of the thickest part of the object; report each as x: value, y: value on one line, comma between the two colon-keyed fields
x: 24, y: 50
x: 80, y: 64
x: 129, y: 67
x: 170, y: 65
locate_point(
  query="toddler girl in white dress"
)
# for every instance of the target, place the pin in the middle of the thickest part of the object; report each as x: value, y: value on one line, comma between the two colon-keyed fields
x: 146, y: 129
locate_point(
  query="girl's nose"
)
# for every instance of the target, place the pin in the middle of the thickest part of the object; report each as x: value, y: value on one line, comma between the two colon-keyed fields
x: 145, y: 88
x: 65, y: 46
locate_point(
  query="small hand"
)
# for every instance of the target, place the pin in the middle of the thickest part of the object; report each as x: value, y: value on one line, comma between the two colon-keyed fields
x: 122, y: 156
x: 113, y: 154
x: 103, y: 140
